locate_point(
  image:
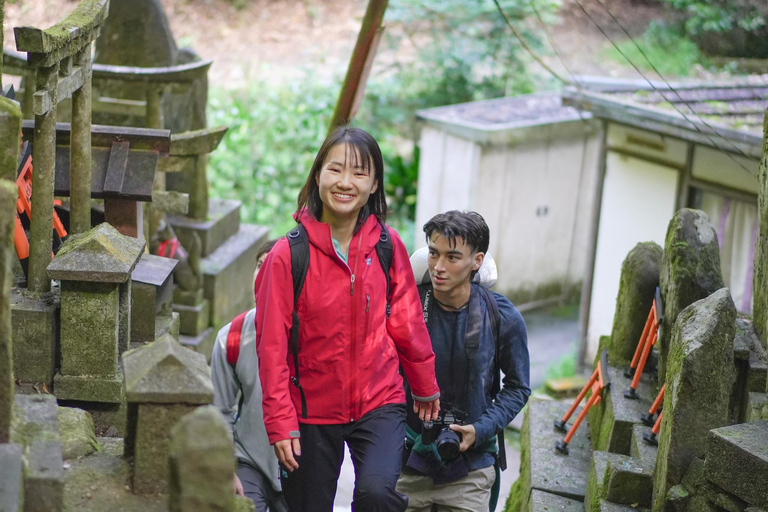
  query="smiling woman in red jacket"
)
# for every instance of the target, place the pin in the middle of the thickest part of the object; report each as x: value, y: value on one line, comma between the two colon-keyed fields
x: 350, y: 347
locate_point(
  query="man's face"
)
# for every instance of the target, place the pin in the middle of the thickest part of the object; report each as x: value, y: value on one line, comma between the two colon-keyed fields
x: 451, y: 265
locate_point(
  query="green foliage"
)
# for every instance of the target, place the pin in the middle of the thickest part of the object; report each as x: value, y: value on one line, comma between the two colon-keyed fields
x: 670, y: 52
x: 722, y: 15
x: 564, y: 366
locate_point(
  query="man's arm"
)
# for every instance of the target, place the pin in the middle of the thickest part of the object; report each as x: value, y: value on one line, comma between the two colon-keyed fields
x: 515, y: 365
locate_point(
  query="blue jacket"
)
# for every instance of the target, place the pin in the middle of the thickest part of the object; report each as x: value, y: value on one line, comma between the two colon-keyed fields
x: 469, y: 382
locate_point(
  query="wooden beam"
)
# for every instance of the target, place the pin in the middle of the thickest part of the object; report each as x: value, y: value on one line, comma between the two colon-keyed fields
x: 104, y: 136
x: 118, y: 163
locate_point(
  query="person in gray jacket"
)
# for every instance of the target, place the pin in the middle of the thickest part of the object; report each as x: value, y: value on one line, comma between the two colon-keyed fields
x: 235, y: 375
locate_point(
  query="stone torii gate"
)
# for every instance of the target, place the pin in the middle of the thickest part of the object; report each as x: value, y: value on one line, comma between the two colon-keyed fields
x: 61, y: 55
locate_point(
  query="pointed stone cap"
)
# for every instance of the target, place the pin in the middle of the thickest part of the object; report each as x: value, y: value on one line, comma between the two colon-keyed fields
x: 166, y: 372
x: 101, y: 254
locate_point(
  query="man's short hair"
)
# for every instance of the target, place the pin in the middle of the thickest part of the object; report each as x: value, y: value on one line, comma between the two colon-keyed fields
x: 469, y: 226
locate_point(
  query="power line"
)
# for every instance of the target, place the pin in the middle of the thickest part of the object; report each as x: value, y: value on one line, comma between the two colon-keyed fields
x: 695, y: 126
x: 527, y: 47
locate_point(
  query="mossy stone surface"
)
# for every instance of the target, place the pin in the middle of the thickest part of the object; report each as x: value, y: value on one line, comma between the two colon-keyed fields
x: 637, y: 287
x: 596, y: 489
x: 546, y: 502
x: 78, y: 437
x: 619, y: 414
x: 202, y: 461
x: 698, y: 388
x: 193, y: 320
x: 640, y: 449
x: 90, y: 319
x: 35, y: 323
x: 243, y: 504
x: 11, y: 478
x: 760, y: 276
x: 8, y: 197
x: 629, y: 481
x: 690, y: 270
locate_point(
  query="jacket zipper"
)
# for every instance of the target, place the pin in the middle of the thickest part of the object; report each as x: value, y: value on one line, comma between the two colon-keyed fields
x: 353, y: 348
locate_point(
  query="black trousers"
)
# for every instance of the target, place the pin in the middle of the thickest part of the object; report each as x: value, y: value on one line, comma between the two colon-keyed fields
x: 376, y: 444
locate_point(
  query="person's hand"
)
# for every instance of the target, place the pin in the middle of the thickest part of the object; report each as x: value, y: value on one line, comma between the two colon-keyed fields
x: 285, y: 451
x: 239, y: 487
x: 427, y: 411
x: 468, y: 435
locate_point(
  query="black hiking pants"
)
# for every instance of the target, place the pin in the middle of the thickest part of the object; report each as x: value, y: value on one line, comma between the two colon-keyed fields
x: 376, y: 444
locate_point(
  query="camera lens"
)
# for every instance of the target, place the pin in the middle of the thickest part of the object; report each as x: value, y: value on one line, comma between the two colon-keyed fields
x: 448, y: 443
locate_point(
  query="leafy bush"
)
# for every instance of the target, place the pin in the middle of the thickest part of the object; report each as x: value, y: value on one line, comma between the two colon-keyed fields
x: 722, y: 15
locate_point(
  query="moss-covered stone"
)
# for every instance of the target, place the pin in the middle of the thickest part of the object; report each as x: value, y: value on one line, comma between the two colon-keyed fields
x: 78, y: 437
x: 8, y: 197
x: 699, y: 383
x: 546, y: 502
x: 690, y: 270
x: 760, y: 277
x: 10, y: 127
x: 72, y: 33
x: 243, y: 504
x: 677, y: 498
x: 11, y: 478
x: 202, y: 461
x: 639, y: 279
x: 35, y: 322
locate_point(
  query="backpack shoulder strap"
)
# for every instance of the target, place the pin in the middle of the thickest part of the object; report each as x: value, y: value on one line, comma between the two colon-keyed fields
x: 233, y: 339
x: 299, y: 245
x: 384, y: 251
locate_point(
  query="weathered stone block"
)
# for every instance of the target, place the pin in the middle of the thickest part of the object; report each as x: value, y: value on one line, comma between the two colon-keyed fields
x: 619, y: 414
x: 223, y: 283
x: 202, y: 343
x: 243, y: 504
x: 78, y: 437
x: 677, y: 498
x: 193, y: 320
x: 699, y: 382
x: 596, y: 491
x: 609, y: 506
x: 546, y: 502
x: 109, y: 419
x: 201, y: 459
x: 35, y: 336
x: 756, y: 407
x: 152, y: 294
x: 124, y: 317
x: 150, y: 458
x: 637, y: 287
x: 737, y: 461
x: 640, y: 449
x: 222, y: 223
x: 187, y: 297
x: 629, y: 481
x: 36, y: 427
x: 89, y: 328
x: 690, y: 270
x: 11, y: 478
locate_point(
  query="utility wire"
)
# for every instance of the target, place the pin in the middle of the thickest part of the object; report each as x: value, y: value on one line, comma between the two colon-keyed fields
x: 527, y: 47
x: 728, y: 154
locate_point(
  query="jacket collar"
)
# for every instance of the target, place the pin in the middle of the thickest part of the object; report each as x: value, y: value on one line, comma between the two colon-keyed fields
x: 319, y: 233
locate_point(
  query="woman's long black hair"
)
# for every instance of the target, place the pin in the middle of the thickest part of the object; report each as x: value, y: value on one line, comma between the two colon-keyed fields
x: 361, y: 146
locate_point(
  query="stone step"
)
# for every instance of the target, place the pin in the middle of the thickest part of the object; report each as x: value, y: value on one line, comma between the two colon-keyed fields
x: 11, y: 479
x: 737, y: 461
x: 547, y: 502
x: 612, y: 420
x: 36, y: 427
x: 227, y: 274
x: 619, y: 479
x: 609, y: 506
x: 222, y: 223
x: 542, y: 468
x: 640, y: 449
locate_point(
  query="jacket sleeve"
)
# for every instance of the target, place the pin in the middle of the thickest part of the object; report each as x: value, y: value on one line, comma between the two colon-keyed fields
x: 407, y: 329
x: 274, y: 309
x: 515, y: 365
x: 224, y: 378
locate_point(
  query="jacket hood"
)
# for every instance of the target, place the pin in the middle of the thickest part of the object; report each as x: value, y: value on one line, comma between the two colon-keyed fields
x: 319, y: 233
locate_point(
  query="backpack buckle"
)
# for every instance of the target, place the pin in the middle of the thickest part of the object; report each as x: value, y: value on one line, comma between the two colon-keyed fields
x: 294, y: 233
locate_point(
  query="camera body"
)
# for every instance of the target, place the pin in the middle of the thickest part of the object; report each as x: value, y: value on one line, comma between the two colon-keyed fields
x: 439, y: 432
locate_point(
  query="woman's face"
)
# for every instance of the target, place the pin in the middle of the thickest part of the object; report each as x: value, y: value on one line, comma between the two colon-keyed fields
x: 344, y: 187
x: 259, y: 263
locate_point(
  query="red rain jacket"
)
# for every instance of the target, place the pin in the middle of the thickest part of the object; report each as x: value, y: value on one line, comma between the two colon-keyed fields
x: 349, y: 353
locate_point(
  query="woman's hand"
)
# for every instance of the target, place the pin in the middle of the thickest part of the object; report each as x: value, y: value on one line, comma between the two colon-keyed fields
x: 239, y: 486
x: 427, y: 411
x: 285, y: 451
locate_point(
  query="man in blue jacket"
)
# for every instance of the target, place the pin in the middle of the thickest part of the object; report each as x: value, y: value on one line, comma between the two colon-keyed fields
x: 475, y: 333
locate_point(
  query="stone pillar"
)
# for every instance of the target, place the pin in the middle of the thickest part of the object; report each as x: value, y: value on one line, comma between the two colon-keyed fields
x: 10, y: 130
x: 8, y: 196
x: 44, y: 157
x: 690, y: 271
x: 700, y: 376
x: 80, y: 149
x: 202, y: 462
x: 163, y: 382
x: 639, y: 279
x: 760, y: 278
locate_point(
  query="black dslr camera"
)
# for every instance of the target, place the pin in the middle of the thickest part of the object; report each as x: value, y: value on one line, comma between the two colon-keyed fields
x: 439, y: 432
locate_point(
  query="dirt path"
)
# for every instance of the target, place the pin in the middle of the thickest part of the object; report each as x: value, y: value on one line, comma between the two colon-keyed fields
x: 278, y: 39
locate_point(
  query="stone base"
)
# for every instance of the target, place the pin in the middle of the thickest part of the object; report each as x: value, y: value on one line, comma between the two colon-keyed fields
x: 37, y: 429
x: 618, y: 415
x: 619, y: 479
x: 737, y: 461
x: 224, y: 271
x: 89, y: 389
x: 640, y: 449
x: 202, y: 343
x: 545, y: 502
x: 187, y: 298
x: 11, y: 478
x: 223, y: 222
x: 193, y: 319
x: 35, y: 335
x: 108, y: 419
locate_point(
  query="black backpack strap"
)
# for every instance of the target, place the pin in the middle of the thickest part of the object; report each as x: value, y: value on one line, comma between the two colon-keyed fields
x: 299, y: 244
x: 493, y: 312
x: 384, y: 252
